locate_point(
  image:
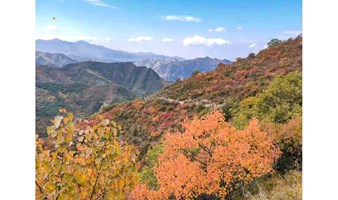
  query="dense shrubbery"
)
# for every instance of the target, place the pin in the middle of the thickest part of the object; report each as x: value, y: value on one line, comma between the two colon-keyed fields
x: 288, y: 137
x: 279, y: 108
x: 280, y: 102
x: 277, y: 187
x: 232, y: 80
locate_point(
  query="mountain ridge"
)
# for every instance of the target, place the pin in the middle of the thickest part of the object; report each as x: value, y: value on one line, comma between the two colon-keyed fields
x: 84, y: 87
x: 175, y: 69
x: 83, y: 51
x: 52, y: 59
x: 168, y: 67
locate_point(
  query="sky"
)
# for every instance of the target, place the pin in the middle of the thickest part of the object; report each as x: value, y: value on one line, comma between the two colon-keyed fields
x: 224, y: 29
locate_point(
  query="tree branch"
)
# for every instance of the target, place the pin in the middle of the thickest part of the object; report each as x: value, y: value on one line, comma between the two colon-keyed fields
x: 205, y: 149
x: 102, y: 194
x: 36, y: 183
x: 97, y: 176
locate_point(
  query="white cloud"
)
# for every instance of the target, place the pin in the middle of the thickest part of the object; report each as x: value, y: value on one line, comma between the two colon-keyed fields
x: 51, y: 27
x: 198, y: 40
x: 100, y: 3
x: 182, y: 18
x: 167, y: 40
x: 252, y: 45
x: 140, y: 39
x: 239, y: 28
x: 218, y: 29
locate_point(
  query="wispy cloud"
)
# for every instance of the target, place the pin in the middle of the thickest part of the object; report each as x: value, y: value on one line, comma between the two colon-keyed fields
x: 100, y: 3
x: 252, y: 45
x: 51, y: 27
x: 218, y: 29
x: 292, y: 33
x: 239, y: 28
x: 108, y: 39
x: 288, y: 34
x: 198, y: 40
x: 167, y: 40
x: 184, y: 18
x: 140, y: 39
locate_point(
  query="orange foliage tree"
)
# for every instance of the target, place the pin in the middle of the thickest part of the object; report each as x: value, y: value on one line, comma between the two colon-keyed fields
x: 210, y: 158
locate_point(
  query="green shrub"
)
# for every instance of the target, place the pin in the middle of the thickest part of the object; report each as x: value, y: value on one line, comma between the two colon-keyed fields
x: 147, y: 175
x: 280, y: 102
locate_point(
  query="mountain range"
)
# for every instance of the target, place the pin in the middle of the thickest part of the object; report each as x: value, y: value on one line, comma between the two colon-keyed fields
x: 225, y: 88
x: 59, y: 53
x: 52, y: 59
x: 84, y: 51
x: 83, y: 77
x: 176, y: 69
x: 84, y: 87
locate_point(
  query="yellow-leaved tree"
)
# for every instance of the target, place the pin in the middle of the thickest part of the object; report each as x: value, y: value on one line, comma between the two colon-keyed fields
x: 84, y: 163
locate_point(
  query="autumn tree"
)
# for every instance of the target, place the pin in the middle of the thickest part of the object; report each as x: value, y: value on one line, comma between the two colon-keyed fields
x: 210, y: 158
x: 84, y: 163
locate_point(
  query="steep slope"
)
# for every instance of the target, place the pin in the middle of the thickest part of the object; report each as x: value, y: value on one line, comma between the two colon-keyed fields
x: 147, y: 119
x: 52, y: 59
x: 84, y: 87
x: 140, y: 80
x: 242, y: 78
x: 84, y: 51
x: 174, y: 69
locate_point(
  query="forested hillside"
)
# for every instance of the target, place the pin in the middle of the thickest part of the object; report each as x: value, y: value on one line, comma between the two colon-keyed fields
x: 224, y: 88
x: 232, y: 133
x: 84, y: 87
x: 243, y: 78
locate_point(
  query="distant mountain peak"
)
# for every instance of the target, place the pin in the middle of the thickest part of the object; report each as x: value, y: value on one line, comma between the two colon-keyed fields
x: 82, y: 50
x: 57, y: 39
x: 173, y: 69
x: 83, y: 42
x: 52, y: 59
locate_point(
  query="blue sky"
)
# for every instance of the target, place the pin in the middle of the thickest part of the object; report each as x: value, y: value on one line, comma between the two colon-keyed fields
x: 186, y: 28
